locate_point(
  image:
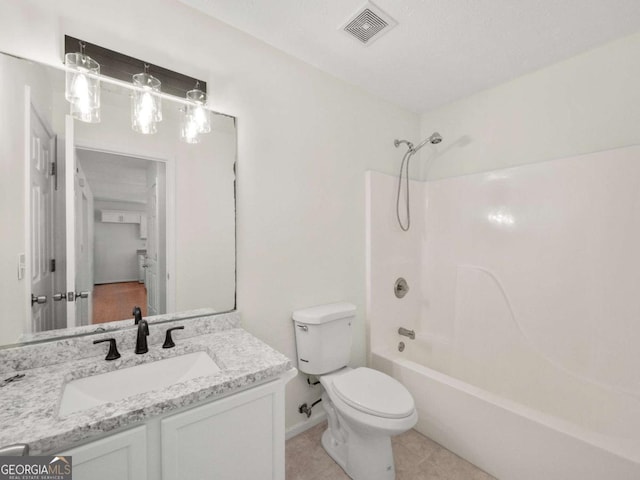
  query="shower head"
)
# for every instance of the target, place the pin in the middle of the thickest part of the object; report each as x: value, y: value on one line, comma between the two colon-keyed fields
x: 434, y: 139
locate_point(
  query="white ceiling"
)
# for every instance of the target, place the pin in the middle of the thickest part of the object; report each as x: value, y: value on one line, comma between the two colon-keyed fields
x: 115, y: 178
x: 441, y: 50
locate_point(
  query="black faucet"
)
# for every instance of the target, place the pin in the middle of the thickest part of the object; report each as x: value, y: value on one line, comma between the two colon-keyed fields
x: 141, y: 341
x: 113, y: 350
x: 137, y: 314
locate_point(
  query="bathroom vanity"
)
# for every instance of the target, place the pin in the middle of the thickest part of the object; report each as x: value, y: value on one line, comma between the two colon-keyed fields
x: 211, y: 407
x: 238, y: 436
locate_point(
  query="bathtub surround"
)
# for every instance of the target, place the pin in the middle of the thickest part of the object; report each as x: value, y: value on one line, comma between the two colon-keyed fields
x: 523, y: 287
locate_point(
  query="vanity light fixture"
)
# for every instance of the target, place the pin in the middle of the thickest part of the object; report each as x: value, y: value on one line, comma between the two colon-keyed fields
x: 82, y: 87
x: 196, y: 118
x: 146, y: 105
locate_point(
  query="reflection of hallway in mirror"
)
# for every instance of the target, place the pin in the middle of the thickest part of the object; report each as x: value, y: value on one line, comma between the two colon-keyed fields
x: 115, y: 301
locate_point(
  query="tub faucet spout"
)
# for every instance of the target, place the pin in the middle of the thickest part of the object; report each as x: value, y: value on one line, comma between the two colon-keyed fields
x: 407, y: 333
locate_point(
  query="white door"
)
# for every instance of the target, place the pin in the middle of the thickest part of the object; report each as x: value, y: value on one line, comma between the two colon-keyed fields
x: 84, y: 247
x: 151, y: 276
x: 42, y: 180
x: 77, y: 206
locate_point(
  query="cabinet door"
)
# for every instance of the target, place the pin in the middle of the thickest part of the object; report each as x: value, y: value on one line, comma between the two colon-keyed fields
x: 130, y: 217
x: 122, y: 456
x: 240, y: 437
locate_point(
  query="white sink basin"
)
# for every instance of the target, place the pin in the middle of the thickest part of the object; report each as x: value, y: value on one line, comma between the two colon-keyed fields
x: 90, y: 392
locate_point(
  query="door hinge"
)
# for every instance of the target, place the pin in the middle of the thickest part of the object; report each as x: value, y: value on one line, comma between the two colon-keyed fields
x: 52, y: 265
x: 54, y: 169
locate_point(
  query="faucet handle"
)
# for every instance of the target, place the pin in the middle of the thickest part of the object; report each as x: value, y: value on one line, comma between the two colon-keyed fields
x: 168, y: 341
x: 113, y: 350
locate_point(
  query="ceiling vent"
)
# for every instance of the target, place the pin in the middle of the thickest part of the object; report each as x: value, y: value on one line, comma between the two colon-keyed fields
x: 368, y: 24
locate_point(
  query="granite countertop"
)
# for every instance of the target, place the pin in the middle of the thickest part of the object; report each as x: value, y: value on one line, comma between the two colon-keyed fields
x: 29, y: 412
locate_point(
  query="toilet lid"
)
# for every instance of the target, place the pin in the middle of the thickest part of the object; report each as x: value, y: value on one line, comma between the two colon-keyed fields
x: 374, y: 393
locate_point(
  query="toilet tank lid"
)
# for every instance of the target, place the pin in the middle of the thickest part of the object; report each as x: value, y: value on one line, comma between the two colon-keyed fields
x: 324, y: 313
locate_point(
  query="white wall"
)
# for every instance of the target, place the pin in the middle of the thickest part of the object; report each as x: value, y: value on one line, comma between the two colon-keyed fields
x: 585, y: 104
x: 304, y: 142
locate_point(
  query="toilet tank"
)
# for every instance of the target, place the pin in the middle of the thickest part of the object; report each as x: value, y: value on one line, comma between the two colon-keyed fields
x: 323, y: 337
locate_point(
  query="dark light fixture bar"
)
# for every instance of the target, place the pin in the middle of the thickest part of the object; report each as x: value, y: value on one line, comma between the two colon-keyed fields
x: 123, y: 67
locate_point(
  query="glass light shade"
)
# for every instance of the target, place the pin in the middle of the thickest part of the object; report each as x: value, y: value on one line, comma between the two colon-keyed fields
x: 189, y: 128
x: 81, y: 111
x: 82, y: 90
x: 146, y: 106
x: 198, y: 110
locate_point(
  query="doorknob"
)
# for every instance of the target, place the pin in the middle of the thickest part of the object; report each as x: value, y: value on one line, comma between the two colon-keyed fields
x: 73, y: 296
x: 40, y: 299
x: 59, y: 296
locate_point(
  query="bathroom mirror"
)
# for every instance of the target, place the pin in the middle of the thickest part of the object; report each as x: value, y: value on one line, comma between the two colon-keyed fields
x: 98, y: 218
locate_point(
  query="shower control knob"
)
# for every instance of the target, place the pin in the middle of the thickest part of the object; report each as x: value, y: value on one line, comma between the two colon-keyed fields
x: 401, y: 287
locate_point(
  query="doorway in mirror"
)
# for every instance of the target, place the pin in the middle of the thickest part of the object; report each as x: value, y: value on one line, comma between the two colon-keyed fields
x: 125, y: 257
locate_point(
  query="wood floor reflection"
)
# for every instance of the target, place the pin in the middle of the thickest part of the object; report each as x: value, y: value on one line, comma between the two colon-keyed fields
x: 115, y: 301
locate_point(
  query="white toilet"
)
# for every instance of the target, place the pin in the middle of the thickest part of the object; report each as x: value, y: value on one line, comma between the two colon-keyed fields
x: 364, y: 406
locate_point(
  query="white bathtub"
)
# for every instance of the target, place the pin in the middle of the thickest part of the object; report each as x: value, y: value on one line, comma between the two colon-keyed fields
x: 507, y: 439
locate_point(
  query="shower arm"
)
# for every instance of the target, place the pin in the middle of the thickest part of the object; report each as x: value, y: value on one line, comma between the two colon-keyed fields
x: 398, y: 142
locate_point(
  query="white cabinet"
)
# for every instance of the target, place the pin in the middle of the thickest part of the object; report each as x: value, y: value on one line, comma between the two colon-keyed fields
x: 237, y: 437
x: 118, y: 216
x: 240, y: 437
x: 115, y: 216
x: 122, y: 456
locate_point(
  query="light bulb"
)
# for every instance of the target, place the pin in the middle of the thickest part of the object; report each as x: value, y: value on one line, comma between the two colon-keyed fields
x: 81, y: 90
x: 146, y: 109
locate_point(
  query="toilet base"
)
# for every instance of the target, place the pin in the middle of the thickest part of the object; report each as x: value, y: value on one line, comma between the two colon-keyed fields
x: 362, y: 457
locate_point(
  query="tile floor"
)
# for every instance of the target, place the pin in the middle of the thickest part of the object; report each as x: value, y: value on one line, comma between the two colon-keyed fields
x: 416, y: 457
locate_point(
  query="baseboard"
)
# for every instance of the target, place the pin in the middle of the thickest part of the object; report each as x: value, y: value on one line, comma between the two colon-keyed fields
x: 317, y: 417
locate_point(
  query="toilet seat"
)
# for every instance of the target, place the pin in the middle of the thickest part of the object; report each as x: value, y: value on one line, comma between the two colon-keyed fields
x: 374, y: 393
